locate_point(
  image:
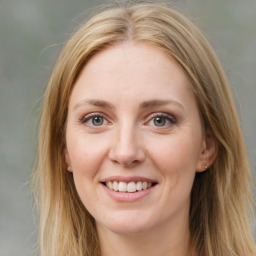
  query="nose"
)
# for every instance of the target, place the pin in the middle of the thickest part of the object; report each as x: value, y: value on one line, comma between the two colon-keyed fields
x: 127, y: 149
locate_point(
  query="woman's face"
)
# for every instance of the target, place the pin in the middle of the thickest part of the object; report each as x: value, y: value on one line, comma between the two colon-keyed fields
x: 134, y: 139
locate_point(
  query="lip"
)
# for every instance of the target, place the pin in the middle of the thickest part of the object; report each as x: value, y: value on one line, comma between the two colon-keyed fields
x: 127, y: 179
x: 126, y: 196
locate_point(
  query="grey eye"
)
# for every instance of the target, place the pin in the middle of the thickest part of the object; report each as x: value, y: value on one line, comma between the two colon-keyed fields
x: 97, y: 120
x: 159, y: 121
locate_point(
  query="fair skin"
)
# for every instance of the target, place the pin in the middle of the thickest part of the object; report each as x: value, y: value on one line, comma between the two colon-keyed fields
x: 132, y: 118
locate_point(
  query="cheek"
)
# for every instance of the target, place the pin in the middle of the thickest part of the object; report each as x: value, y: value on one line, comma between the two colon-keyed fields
x: 86, y: 154
x: 176, y: 158
x: 176, y: 153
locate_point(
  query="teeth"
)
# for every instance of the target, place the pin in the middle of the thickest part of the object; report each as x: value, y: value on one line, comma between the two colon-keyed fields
x: 122, y: 187
x: 115, y: 185
x: 128, y: 187
x: 139, y: 186
x: 131, y: 187
x: 110, y: 185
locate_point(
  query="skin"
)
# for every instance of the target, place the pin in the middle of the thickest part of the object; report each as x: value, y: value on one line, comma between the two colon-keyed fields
x: 129, y: 86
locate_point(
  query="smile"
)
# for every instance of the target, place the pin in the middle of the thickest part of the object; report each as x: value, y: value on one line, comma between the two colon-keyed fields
x: 130, y: 187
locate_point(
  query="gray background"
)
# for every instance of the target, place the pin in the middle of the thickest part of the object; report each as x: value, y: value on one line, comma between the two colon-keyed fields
x: 32, y: 32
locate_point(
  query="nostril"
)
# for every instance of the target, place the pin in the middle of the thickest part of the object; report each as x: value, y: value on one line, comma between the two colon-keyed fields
x: 126, y: 153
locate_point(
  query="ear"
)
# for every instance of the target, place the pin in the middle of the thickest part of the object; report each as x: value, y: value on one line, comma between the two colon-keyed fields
x: 67, y: 159
x: 209, y: 152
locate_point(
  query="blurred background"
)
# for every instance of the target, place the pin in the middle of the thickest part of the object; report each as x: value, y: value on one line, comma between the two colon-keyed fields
x: 32, y: 33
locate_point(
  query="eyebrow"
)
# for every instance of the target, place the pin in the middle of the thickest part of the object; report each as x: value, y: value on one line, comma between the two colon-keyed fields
x: 145, y: 104
x: 97, y: 103
x: 155, y: 103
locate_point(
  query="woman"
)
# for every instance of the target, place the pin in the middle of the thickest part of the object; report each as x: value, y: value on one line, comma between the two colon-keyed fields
x: 140, y: 150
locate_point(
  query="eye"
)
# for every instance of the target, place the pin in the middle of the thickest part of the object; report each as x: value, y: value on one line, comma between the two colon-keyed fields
x: 159, y: 121
x: 94, y: 120
x: 97, y: 120
x: 162, y: 120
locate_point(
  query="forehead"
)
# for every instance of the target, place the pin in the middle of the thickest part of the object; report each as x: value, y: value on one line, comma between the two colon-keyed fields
x: 137, y: 63
x: 134, y: 73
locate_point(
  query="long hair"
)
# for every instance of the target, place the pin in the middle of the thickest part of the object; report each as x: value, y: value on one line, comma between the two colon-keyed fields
x: 220, y: 197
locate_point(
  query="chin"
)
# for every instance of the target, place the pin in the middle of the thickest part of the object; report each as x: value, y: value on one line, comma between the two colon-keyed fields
x: 127, y: 230
x: 128, y: 225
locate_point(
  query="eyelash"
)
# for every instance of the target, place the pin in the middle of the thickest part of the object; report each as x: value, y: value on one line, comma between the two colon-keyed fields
x: 85, y: 119
x: 167, y: 118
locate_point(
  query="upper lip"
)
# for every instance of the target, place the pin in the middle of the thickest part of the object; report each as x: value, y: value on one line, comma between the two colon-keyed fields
x: 127, y: 179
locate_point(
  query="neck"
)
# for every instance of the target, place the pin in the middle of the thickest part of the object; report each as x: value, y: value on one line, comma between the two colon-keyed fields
x: 161, y: 242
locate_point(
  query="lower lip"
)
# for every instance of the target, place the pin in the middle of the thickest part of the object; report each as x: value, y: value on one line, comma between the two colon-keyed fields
x: 128, y: 196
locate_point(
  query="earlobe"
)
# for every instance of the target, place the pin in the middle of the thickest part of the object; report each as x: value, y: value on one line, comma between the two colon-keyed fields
x: 209, y: 152
x: 67, y: 159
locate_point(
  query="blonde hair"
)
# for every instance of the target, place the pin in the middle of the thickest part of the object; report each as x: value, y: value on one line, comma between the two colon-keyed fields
x: 220, y: 197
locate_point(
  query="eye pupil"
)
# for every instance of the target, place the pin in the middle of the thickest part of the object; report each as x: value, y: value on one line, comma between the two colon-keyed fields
x: 159, y: 121
x: 97, y: 120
